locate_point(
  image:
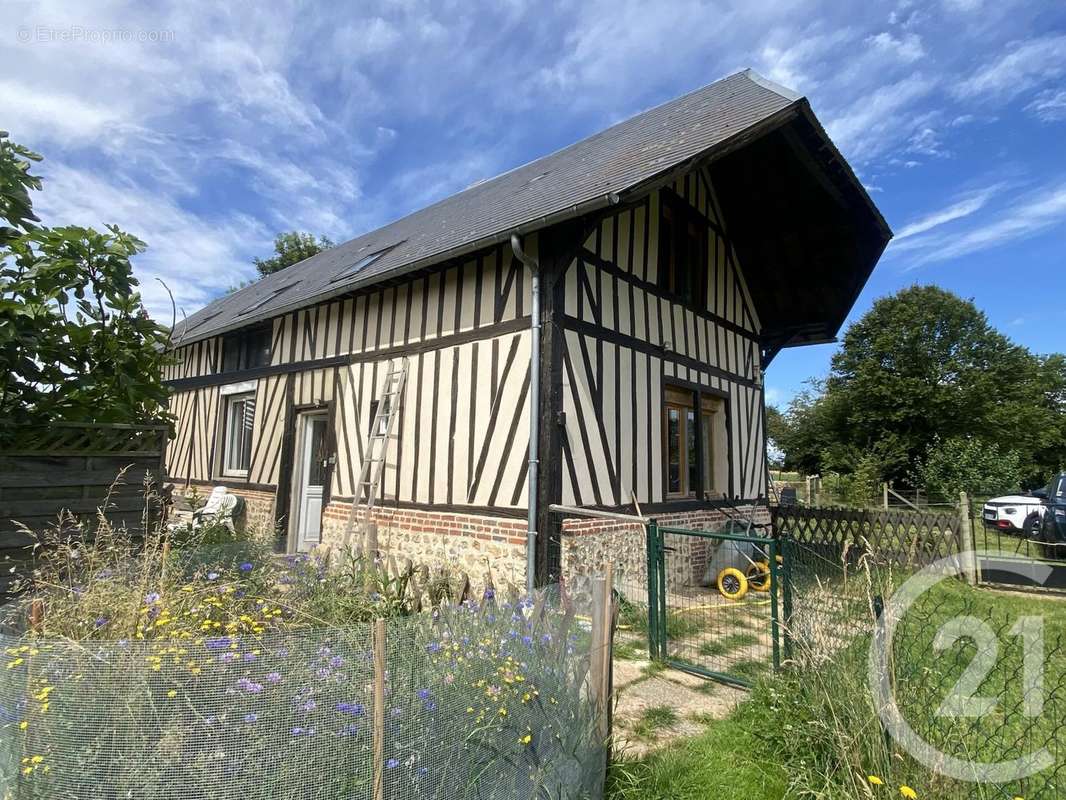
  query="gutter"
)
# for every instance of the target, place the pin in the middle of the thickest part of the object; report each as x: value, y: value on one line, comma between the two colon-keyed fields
x: 534, y: 407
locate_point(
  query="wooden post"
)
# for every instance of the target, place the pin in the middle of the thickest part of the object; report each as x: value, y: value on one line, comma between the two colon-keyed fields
x: 966, y: 544
x: 379, y: 710
x: 37, y: 615
x: 600, y: 655
x: 884, y: 493
x: 810, y: 497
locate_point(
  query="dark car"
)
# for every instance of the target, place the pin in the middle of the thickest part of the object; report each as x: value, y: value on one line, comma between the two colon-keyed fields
x: 1052, y: 531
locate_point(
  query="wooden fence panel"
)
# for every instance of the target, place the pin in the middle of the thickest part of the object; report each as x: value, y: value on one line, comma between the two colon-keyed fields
x: 78, y: 468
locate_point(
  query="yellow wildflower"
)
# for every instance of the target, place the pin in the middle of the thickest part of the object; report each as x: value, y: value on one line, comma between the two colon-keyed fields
x: 23, y: 725
x: 908, y: 792
x: 874, y: 780
x: 172, y: 693
x: 14, y: 663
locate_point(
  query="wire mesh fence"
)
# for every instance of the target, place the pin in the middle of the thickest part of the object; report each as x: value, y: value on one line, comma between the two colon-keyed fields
x: 954, y: 643
x: 716, y: 611
x: 475, y: 700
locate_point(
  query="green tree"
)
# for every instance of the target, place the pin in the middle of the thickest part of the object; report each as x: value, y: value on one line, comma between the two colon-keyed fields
x: 925, y: 363
x: 290, y: 248
x: 967, y: 464
x: 76, y: 343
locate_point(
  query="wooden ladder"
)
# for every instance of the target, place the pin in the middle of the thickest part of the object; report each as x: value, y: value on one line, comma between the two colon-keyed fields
x: 373, y: 465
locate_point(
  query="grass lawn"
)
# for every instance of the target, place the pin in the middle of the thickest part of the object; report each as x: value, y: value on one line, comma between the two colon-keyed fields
x: 725, y: 761
x: 815, y: 735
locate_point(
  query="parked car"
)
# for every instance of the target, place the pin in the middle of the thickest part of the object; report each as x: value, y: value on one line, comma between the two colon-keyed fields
x: 1014, y: 513
x: 1052, y: 530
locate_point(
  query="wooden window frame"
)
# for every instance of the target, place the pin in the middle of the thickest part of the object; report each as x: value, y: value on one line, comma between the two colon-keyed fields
x: 685, y: 402
x: 683, y: 221
x: 242, y: 342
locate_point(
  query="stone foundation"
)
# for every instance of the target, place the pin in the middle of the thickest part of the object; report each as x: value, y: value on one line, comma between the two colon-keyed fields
x: 589, y: 544
x: 476, y: 545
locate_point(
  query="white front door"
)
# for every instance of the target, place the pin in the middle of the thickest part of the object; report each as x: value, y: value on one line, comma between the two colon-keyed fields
x: 311, y: 475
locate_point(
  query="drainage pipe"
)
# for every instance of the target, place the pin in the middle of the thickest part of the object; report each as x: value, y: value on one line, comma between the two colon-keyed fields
x: 534, y: 406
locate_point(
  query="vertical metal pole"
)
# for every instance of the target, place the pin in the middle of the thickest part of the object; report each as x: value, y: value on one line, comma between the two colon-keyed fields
x: 786, y: 592
x: 775, y: 622
x: 660, y: 551
x: 378, y: 788
x: 653, y: 590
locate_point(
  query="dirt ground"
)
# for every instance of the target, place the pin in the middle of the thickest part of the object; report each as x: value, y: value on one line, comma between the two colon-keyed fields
x: 655, y: 706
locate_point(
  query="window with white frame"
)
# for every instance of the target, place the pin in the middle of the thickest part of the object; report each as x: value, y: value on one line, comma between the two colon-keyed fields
x: 239, y: 414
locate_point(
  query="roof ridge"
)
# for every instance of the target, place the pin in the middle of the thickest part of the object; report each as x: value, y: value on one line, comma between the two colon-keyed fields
x: 770, y: 85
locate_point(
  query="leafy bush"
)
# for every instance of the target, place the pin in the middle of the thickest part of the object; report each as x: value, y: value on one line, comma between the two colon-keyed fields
x: 968, y: 464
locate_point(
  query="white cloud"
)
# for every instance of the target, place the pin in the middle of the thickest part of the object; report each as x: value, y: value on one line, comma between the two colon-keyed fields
x: 1028, y: 64
x: 1050, y: 106
x: 971, y: 204
x: 198, y: 258
x: 926, y: 142
x: 906, y: 48
x: 869, y: 128
x: 1028, y: 215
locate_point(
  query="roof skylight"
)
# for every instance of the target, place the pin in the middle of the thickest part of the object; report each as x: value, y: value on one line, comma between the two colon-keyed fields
x: 362, y: 263
x: 262, y: 301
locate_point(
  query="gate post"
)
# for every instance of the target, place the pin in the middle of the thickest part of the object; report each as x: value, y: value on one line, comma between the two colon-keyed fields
x: 966, y: 543
x: 653, y: 589
x: 775, y: 621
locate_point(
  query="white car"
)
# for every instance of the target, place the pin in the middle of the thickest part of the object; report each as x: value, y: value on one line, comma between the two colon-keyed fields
x: 1011, y: 512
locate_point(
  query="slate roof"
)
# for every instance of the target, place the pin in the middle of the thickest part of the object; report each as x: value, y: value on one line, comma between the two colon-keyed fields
x: 566, y: 183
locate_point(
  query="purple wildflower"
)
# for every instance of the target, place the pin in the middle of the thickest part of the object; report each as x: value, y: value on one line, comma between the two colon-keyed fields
x: 433, y: 647
x: 212, y: 576
x: 249, y: 685
x: 423, y: 694
x: 247, y: 566
x: 100, y: 622
x: 252, y: 717
x: 151, y: 598
x: 249, y: 656
x: 336, y: 661
x: 309, y: 705
x: 355, y: 709
x: 392, y: 763
x: 273, y: 677
x: 218, y: 643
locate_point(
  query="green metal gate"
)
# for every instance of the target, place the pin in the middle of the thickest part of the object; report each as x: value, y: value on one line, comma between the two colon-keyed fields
x: 713, y: 602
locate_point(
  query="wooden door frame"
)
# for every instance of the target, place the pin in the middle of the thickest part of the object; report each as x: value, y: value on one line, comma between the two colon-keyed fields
x: 283, y: 499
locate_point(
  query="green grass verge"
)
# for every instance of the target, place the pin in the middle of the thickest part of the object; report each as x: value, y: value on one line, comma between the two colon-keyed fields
x: 726, y: 761
x: 653, y: 720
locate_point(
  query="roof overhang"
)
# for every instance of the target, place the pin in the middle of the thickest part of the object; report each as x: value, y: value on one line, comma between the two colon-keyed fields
x: 806, y: 232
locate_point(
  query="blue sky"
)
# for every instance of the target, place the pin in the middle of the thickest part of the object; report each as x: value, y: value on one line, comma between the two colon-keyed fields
x: 206, y: 129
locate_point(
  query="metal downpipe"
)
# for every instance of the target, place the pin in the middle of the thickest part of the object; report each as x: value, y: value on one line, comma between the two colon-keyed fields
x: 534, y: 407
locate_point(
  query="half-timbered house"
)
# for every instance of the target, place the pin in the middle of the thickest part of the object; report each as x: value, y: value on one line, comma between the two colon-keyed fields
x: 676, y: 254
